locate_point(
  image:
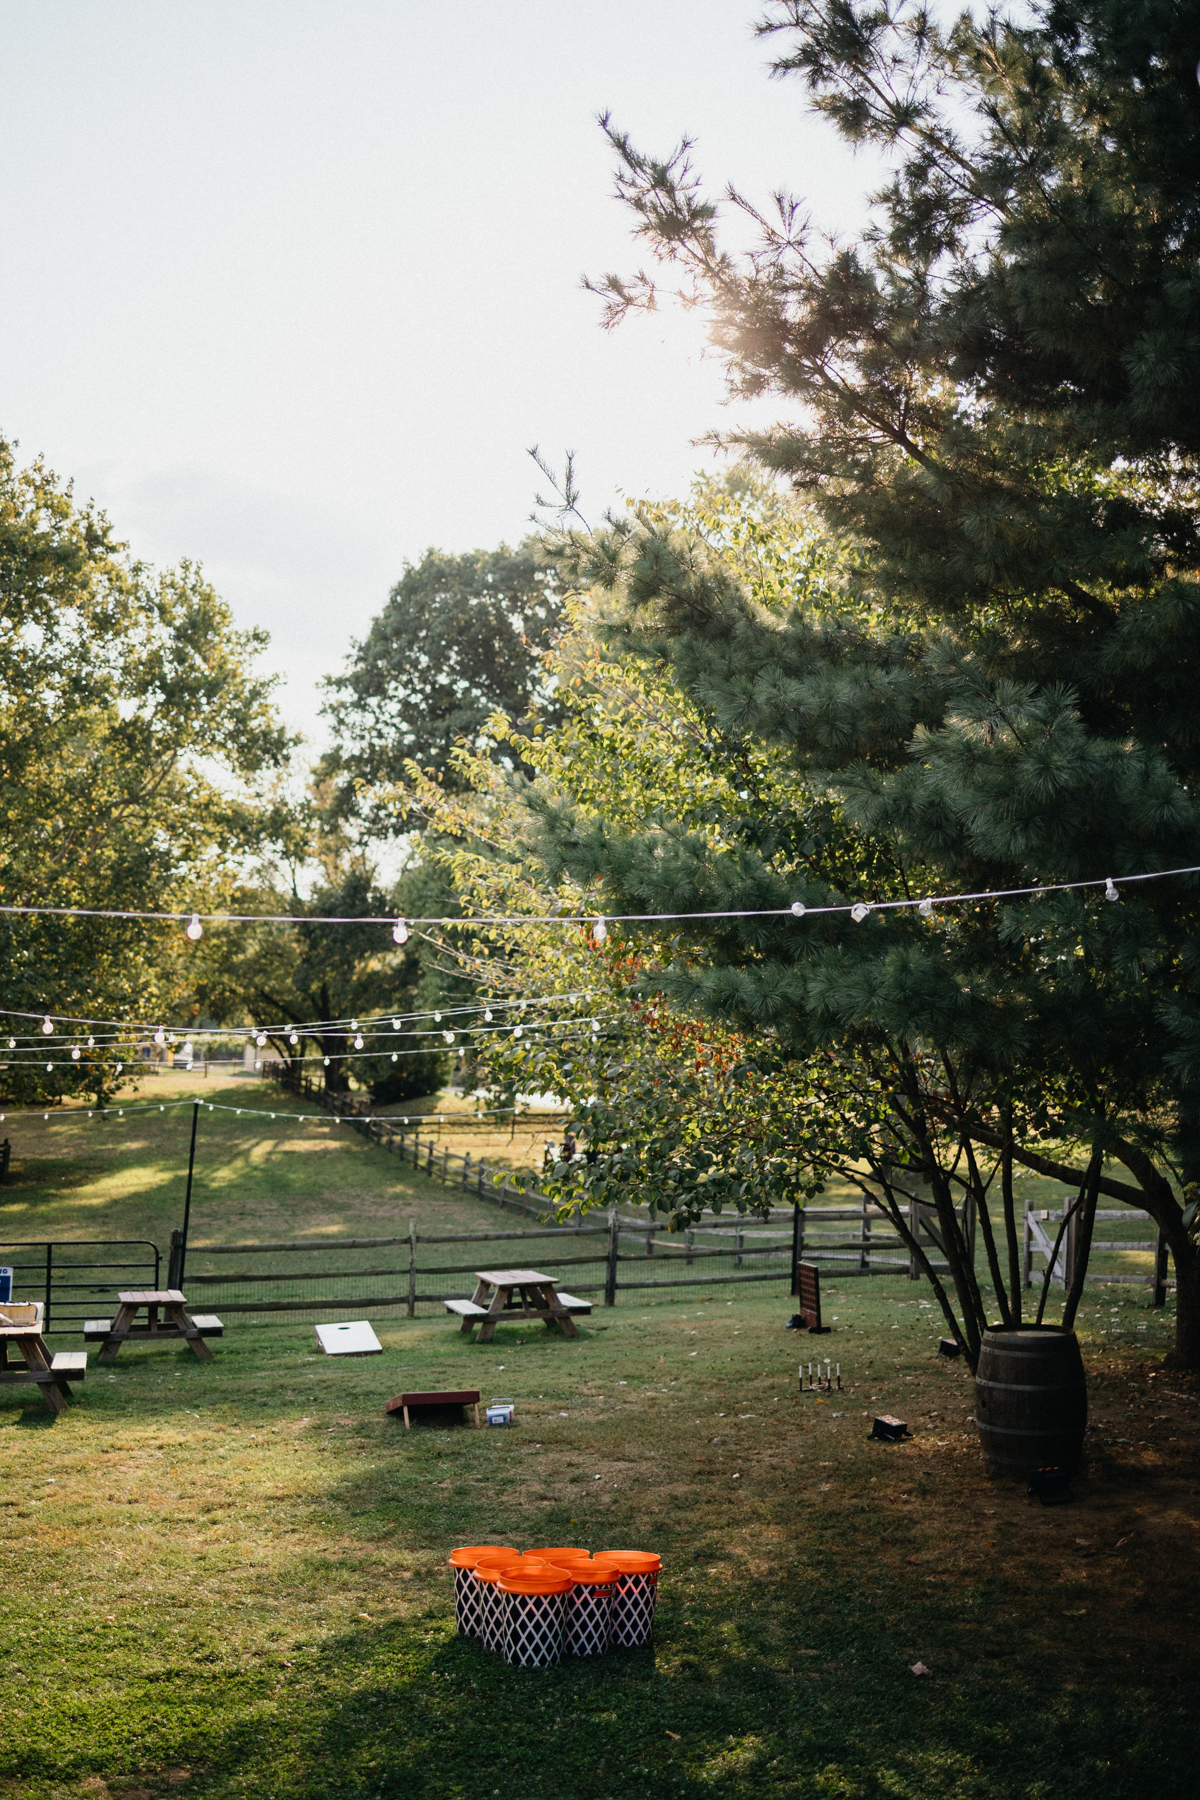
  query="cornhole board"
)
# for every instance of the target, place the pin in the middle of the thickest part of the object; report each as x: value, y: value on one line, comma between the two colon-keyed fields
x: 356, y: 1338
x: 460, y: 1397
x: 808, y: 1292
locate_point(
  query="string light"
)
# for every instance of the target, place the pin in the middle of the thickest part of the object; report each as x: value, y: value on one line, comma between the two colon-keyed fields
x: 797, y: 909
x: 160, y: 1037
x: 449, y: 1036
x: 194, y: 929
x: 358, y: 1043
x: 292, y: 1038
x: 859, y: 912
x: 925, y: 908
x: 760, y: 912
x: 599, y: 931
x: 188, y: 1053
x: 1110, y: 891
x: 76, y: 1054
x: 47, y: 1026
x: 260, y: 1039
x: 400, y: 932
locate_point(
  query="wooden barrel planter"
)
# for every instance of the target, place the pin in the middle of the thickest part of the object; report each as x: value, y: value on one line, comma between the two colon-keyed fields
x: 1030, y: 1399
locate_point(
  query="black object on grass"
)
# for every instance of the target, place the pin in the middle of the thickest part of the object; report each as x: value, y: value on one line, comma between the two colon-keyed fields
x: 949, y: 1347
x: 1051, y: 1486
x: 888, y: 1429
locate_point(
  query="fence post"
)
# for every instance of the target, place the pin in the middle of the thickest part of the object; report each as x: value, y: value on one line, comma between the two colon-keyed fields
x: 49, y: 1284
x: 1158, y: 1292
x: 412, y: 1268
x: 173, y: 1271
x: 610, y: 1267
x: 1028, y: 1257
x: 445, y: 1164
x: 689, y: 1238
x: 429, y: 1159
x: 795, y: 1243
x: 650, y: 1238
x: 864, y: 1239
x: 737, y: 1261
x: 466, y: 1180
x: 482, y: 1173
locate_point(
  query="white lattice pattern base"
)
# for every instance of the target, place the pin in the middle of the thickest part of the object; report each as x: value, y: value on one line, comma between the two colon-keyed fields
x: 468, y: 1603
x: 533, y: 1634
x: 589, y: 1619
x: 633, y: 1611
x: 491, y: 1615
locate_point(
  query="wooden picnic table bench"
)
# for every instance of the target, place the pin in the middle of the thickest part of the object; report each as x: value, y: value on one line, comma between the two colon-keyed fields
x: 516, y: 1294
x: 179, y: 1323
x: 21, y: 1325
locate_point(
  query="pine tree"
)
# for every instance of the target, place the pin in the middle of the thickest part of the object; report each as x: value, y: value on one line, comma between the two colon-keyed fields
x: 998, y: 415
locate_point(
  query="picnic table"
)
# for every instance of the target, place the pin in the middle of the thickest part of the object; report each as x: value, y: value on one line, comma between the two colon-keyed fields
x: 21, y: 1325
x: 178, y: 1323
x: 516, y: 1294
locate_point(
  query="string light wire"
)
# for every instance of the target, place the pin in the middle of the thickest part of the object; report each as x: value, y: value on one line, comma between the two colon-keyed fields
x: 591, y: 918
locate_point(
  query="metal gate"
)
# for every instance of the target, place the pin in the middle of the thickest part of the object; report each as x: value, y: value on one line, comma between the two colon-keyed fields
x: 76, y: 1278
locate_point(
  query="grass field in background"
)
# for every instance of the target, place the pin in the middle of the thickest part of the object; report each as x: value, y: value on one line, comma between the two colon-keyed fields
x: 229, y: 1579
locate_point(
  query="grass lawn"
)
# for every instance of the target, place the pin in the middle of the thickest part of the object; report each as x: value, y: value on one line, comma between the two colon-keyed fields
x: 230, y: 1579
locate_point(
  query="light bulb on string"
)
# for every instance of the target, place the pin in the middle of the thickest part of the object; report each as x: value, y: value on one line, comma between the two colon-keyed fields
x: 449, y: 1036
x: 354, y: 1024
x: 194, y: 929
x: 187, y: 1053
x: 47, y: 1025
x: 437, y: 1018
x: 76, y: 1053
x: 91, y: 1043
x: 395, y: 1056
x: 400, y: 931
x: 599, y: 931
x: 160, y: 1037
x: 926, y: 909
x: 858, y: 913
x: 798, y: 909
x: 120, y: 1066
x: 487, y: 1013
x: 260, y: 1038
x: 292, y: 1038
x: 12, y: 1043
x: 49, y: 1065
x: 325, y: 1060
x: 358, y: 1043
x: 396, y: 1024
x: 516, y: 1031
x: 1110, y: 889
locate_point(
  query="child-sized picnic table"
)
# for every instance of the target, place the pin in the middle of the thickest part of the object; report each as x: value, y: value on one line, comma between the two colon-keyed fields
x: 516, y: 1294
x: 21, y: 1324
x: 179, y: 1323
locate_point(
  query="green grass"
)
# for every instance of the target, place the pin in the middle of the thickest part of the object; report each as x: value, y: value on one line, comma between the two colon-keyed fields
x: 230, y: 1579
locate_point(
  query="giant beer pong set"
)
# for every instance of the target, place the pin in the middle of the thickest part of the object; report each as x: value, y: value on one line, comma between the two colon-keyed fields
x: 537, y: 1608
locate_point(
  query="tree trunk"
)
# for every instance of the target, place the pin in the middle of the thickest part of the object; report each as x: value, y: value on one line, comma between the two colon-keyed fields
x: 1186, y: 1257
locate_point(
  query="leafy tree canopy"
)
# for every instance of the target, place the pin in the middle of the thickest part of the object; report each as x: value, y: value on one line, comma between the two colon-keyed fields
x: 995, y: 413
x: 459, y: 638
x: 137, y: 751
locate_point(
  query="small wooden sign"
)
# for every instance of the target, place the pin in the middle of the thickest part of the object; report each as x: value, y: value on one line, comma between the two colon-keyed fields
x: 808, y: 1292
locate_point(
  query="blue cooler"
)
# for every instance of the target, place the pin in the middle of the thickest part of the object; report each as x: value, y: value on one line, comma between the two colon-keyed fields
x: 5, y: 1286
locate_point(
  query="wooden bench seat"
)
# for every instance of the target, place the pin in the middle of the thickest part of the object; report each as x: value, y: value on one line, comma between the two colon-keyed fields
x: 466, y: 1309
x: 572, y: 1304
x: 96, y: 1330
x: 208, y: 1325
x: 69, y: 1365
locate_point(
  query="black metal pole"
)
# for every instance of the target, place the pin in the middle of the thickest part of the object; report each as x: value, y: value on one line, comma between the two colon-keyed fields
x: 187, y: 1201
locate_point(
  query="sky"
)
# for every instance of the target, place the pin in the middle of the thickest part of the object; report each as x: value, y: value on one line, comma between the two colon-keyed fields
x: 291, y: 288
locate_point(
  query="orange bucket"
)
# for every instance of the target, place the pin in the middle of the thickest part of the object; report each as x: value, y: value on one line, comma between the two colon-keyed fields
x: 467, y: 1597
x: 535, y: 1615
x: 485, y: 1578
x: 559, y: 1555
x: 637, y: 1596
